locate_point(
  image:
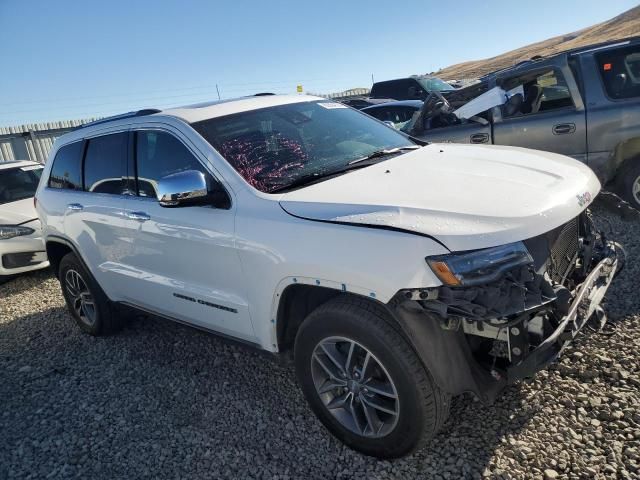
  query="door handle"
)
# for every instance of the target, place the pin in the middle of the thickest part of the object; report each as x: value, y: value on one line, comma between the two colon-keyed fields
x: 74, y: 206
x: 139, y: 216
x: 564, y: 128
x: 479, y: 138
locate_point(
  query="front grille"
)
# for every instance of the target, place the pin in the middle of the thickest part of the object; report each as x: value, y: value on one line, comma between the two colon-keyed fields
x: 564, y: 249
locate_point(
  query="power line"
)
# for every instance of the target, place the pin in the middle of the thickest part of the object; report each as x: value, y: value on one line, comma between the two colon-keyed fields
x: 222, y: 86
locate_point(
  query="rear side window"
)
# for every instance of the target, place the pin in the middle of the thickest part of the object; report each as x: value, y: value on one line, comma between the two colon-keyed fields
x: 620, y: 72
x: 66, y: 170
x: 159, y: 154
x: 105, y: 164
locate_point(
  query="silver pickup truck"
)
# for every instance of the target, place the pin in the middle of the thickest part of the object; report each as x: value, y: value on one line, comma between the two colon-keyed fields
x: 584, y: 103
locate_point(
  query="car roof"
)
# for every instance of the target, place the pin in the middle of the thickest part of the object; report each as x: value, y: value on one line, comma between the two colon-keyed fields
x: 204, y: 111
x: 396, y: 103
x: 18, y: 163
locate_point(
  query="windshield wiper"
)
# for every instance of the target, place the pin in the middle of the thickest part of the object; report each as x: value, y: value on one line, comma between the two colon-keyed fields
x: 383, y: 152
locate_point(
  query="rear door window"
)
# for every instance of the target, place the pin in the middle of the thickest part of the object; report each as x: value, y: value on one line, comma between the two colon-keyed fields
x: 620, y: 72
x: 66, y: 172
x: 105, y: 164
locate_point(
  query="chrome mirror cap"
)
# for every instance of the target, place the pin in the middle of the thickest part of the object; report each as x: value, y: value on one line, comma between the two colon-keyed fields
x: 182, y: 188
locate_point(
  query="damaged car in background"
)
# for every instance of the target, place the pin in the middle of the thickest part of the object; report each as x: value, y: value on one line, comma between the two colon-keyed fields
x: 395, y: 275
x: 584, y: 103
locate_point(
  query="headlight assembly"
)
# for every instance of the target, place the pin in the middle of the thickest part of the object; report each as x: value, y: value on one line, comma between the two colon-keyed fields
x: 10, y: 231
x: 479, y: 266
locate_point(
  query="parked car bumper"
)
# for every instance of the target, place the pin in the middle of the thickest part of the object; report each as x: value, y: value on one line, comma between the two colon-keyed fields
x: 22, y: 254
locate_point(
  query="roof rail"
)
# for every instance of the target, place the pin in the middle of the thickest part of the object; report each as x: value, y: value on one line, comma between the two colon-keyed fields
x: 263, y: 94
x: 138, y: 113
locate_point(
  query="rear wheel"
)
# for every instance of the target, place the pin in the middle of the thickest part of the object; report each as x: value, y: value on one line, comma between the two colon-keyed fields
x: 87, y: 303
x: 363, y: 380
x: 628, y: 182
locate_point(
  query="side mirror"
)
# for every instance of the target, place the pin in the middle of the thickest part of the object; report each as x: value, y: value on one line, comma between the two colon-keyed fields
x: 183, y: 188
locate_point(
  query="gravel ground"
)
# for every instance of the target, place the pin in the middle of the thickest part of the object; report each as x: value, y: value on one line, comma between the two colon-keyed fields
x: 163, y: 400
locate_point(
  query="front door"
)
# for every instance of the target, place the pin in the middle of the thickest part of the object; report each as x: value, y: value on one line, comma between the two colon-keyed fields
x: 548, y: 119
x: 183, y: 260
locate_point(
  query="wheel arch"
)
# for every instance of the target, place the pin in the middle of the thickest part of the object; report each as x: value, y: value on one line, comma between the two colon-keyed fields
x: 299, y: 297
x: 625, y: 151
x: 57, y: 248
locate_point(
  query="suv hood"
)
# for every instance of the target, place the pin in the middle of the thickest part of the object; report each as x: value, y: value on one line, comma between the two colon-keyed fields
x: 466, y: 197
x: 20, y: 211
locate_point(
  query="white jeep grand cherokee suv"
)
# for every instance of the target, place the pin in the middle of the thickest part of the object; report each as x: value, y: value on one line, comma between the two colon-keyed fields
x: 396, y: 274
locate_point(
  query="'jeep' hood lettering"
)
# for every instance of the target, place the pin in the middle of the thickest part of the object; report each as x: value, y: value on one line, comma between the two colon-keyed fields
x: 465, y: 196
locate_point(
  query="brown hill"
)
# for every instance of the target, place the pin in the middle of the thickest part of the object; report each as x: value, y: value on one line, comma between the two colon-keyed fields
x: 624, y: 25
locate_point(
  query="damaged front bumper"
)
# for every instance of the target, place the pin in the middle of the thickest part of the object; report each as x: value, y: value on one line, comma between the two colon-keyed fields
x: 473, y: 340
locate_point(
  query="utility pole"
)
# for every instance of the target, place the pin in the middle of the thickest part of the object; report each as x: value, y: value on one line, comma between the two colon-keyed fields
x: 218, y: 90
x: 372, y: 80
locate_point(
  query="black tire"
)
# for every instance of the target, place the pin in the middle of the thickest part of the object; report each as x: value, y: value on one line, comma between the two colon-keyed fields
x: 626, y: 178
x: 422, y: 407
x: 105, y: 319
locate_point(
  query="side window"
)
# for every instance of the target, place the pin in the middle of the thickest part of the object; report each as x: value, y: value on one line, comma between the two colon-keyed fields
x: 66, y: 170
x: 105, y: 164
x: 542, y: 92
x: 620, y: 71
x: 159, y: 154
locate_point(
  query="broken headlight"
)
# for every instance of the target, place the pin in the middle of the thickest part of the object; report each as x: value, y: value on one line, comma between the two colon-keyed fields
x: 479, y: 266
x: 10, y: 231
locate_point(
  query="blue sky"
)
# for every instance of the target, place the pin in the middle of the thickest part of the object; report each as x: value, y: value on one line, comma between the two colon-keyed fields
x: 68, y: 59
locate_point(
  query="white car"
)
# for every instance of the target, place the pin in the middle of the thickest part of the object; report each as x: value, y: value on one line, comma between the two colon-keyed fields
x: 21, y: 244
x: 397, y: 275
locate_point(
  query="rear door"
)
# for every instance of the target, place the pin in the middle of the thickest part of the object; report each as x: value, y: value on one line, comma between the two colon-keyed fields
x: 550, y: 117
x: 93, y: 218
x: 183, y: 262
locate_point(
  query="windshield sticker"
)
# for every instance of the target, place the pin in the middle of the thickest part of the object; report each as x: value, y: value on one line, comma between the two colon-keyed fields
x: 332, y: 105
x: 31, y: 167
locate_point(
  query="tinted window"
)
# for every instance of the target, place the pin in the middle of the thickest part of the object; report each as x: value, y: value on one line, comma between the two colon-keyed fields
x: 620, y: 70
x: 274, y: 147
x: 19, y: 183
x: 159, y: 154
x: 65, y: 172
x: 105, y: 164
x: 403, y: 89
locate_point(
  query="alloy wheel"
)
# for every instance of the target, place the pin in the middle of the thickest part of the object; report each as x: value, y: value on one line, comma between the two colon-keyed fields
x: 81, y: 299
x: 635, y: 189
x: 355, y: 387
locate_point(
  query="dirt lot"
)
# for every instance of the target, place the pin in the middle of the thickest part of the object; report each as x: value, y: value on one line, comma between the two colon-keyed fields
x: 164, y: 400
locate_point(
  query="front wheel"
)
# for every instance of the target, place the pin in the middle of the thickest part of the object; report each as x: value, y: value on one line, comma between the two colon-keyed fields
x: 363, y: 380
x: 628, y: 182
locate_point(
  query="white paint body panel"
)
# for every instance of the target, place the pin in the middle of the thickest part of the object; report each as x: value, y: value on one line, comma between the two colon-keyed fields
x: 244, y: 258
x: 467, y: 197
x: 22, y: 212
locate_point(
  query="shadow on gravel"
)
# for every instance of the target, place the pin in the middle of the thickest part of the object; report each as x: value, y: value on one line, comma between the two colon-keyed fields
x: 162, y: 399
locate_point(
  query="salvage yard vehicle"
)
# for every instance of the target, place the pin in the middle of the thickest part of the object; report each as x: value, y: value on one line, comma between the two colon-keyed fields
x: 395, y: 275
x: 584, y: 103
x: 395, y: 114
x: 21, y: 244
x: 416, y: 87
